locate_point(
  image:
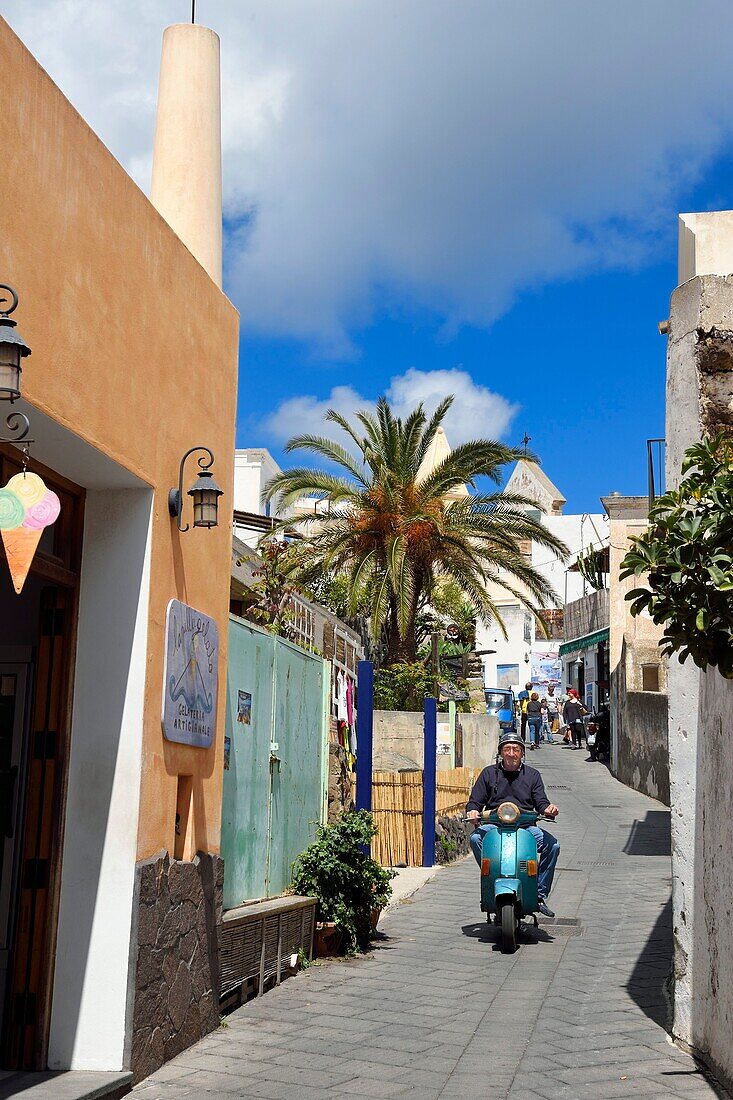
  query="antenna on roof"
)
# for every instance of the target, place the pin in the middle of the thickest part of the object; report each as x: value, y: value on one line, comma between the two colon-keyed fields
x: 193, y: 11
x: 527, y: 439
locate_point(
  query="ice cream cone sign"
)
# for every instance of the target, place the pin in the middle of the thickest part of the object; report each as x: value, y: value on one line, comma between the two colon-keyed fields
x: 27, y: 507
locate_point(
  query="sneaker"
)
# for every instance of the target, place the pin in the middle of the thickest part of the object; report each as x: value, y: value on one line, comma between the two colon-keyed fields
x: 544, y: 908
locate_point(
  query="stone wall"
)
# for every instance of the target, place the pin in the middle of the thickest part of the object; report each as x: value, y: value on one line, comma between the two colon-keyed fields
x: 480, y: 740
x: 700, y: 402
x: 451, y: 839
x: 586, y: 615
x: 640, y: 756
x: 709, y: 965
x: 340, y: 788
x: 176, y: 940
x: 401, y: 732
x: 643, y: 756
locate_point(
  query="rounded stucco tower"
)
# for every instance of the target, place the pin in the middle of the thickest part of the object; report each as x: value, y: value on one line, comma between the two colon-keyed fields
x: 186, y: 184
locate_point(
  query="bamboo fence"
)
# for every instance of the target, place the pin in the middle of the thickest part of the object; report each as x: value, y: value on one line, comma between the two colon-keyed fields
x: 397, y: 801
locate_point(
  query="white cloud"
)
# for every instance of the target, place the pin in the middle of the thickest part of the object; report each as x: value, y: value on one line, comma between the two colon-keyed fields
x: 419, y: 155
x: 475, y: 413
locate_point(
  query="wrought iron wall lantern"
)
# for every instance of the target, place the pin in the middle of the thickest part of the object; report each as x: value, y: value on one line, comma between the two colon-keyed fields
x: 204, y: 492
x: 13, y: 348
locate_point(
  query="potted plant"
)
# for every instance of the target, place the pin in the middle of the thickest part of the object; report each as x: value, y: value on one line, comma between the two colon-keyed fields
x: 348, y: 883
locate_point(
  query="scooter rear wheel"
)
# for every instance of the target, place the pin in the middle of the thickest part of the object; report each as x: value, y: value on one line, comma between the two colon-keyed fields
x: 508, y: 930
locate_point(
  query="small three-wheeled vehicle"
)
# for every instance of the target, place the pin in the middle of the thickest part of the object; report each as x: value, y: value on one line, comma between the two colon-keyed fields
x: 509, y: 866
x: 501, y: 703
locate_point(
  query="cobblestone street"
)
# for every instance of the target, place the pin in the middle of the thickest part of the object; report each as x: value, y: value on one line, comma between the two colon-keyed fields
x: 437, y: 1011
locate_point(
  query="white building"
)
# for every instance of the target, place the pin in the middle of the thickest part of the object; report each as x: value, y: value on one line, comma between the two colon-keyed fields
x: 525, y: 655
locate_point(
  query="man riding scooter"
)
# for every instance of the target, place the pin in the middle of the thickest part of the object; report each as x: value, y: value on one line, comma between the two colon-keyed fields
x: 510, y: 779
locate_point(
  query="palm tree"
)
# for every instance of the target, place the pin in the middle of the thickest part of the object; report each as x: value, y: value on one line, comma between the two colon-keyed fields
x: 394, y: 530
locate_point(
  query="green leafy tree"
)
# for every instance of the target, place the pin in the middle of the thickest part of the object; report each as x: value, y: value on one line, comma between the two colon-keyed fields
x: 395, y: 532
x: 268, y: 601
x: 686, y: 558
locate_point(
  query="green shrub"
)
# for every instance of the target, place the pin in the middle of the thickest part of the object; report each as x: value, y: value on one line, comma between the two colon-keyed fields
x: 686, y: 556
x: 402, y: 686
x: 347, y: 882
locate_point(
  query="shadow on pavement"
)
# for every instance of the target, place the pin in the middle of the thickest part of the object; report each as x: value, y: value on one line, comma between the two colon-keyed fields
x: 648, y: 985
x: 489, y: 933
x: 650, y: 837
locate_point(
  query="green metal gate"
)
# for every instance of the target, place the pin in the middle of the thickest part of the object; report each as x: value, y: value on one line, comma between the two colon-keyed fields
x: 277, y: 756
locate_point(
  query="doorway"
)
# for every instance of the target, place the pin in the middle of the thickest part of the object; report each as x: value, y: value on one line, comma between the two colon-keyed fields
x: 37, y: 635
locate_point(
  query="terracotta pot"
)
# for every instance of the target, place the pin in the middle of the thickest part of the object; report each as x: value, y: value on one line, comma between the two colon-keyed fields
x: 326, y: 940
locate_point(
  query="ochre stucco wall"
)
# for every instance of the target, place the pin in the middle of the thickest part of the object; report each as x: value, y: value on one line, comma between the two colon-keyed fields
x: 135, y: 351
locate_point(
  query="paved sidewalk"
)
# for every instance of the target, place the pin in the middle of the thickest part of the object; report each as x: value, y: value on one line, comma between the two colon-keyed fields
x: 438, y: 1012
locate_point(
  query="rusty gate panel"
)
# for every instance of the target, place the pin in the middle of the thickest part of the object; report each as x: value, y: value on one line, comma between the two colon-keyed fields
x: 274, y: 786
x: 246, y: 795
x: 297, y: 775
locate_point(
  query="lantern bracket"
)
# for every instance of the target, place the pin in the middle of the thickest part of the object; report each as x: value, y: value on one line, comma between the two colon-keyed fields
x: 175, y: 496
x: 18, y: 425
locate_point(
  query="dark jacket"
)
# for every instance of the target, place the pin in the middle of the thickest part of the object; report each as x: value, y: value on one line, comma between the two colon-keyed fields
x: 494, y: 785
x: 534, y: 708
x: 572, y: 711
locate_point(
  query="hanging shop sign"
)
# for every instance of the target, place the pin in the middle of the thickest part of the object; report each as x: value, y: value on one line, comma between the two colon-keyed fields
x: 27, y: 508
x: 190, y: 679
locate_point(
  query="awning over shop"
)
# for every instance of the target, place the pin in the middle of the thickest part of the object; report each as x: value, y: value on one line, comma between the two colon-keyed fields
x: 586, y: 642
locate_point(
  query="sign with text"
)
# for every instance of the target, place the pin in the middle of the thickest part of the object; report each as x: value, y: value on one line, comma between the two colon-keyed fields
x: 190, y: 679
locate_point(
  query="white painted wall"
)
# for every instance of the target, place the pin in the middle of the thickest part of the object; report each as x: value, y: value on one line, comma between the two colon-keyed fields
x: 683, y: 685
x: 88, y: 1023
x: 253, y: 468
x: 578, y: 532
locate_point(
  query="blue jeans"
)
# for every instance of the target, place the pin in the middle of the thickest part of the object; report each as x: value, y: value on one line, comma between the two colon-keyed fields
x: 534, y: 730
x: 548, y: 849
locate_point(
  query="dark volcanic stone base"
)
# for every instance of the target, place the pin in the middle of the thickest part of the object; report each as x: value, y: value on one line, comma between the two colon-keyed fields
x: 177, y: 972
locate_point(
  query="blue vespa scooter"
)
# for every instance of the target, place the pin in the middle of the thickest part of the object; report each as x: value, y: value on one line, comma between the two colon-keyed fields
x: 509, y: 870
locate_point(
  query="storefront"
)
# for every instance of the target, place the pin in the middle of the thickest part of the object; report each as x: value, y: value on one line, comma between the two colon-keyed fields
x: 585, y: 667
x: 108, y: 825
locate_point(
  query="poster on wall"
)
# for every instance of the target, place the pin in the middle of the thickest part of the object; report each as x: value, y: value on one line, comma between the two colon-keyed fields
x: 442, y: 744
x: 190, y: 677
x: 244, y: 708
x: 507, y: 676
x: 546, y: 668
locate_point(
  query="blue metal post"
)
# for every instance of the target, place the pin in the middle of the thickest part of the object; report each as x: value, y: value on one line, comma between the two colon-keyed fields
x: 430, y: 728
x: 364, y: 734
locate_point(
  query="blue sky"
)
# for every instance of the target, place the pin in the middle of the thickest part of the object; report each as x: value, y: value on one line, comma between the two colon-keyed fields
x: 582, y: 358
x: 425, y: 197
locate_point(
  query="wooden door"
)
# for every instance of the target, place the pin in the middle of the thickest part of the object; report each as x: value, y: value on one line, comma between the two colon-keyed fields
x: 36, y: 889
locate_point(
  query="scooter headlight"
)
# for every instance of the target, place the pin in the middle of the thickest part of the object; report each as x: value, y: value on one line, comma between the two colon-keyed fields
x: 508, y: 813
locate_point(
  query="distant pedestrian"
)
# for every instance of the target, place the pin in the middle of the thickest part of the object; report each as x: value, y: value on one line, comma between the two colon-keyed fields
x: 573, y: 712
x: 553, y: 709
x: 545, y: 731
x: 534, y: 720
x: 523, y: 699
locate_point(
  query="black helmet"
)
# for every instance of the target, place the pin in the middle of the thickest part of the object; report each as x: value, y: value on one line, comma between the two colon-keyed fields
x: 510, y: 737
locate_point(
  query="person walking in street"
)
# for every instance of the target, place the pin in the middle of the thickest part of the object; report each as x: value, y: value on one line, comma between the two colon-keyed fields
x: 534, y: 720
x: 573, y: 712
x: 523, y: 700
x: 545, y: 731
x: 510, y: 779
x: 553, y: 710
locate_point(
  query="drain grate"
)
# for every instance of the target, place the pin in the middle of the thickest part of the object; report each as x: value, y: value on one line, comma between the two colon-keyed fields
x: 560, y: 926
x: 597, y: 863
x: 558, y: 787
x: 607, y: 806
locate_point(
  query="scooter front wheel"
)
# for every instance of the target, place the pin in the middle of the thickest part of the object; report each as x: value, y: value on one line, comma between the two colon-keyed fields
x: 508, y: 930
